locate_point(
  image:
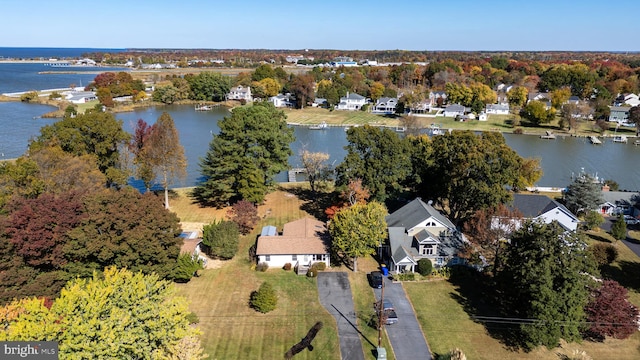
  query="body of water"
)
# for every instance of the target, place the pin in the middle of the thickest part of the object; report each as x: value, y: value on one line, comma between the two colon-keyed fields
x: 46, y: 53
x: 561, y: 158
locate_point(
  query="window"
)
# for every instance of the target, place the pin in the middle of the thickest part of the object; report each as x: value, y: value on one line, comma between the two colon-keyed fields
x: 430, y: 224
x: 318, y: 257
x: 294, y: 257
x: 267, y: 258
x: 427, y: 250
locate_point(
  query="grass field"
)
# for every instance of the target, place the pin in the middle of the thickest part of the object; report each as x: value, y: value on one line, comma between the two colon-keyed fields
x: 231, y: 330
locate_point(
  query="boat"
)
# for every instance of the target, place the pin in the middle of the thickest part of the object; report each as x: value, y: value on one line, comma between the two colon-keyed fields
x: 549, y: 135
x: 323, y: 125
x: 637, y: 142
x: 400, y: 129
x: 203, y: 107
x: 620, y: 139
x: 594, y: 140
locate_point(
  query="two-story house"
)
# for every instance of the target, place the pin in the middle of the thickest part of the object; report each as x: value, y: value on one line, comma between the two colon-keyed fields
x: 240, y: 93
x: 351, y: 102
x: 418, y: 231
x: 385, y: 105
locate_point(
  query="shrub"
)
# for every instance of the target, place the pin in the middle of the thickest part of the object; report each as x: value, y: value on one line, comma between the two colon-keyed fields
x: 287, y: 266
x: 407, y: 277
x: 55, y: 95
x: 313, y: 272
x: 193, y: 318
x: 265, y: 299
x: 245, y: 215
x: 320, y: 266
x: 425, y: 267
x: 29, y: 96
x: 604, y: 254
x: 518, y: 131
x: 610, y: 313
x: 186, y: 268
x: 592, y: 220
x: 220, y: 239
x: 263, y: 266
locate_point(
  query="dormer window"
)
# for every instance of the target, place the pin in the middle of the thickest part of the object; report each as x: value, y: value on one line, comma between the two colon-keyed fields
x: 430, y: 224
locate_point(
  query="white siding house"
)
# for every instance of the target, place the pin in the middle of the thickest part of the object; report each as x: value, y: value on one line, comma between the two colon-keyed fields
x: 351, y: 102
x: 542, y: 208
x: 240, y: 93
x: 302, y: 243
x: 282, y: 101
x: 499, y: 109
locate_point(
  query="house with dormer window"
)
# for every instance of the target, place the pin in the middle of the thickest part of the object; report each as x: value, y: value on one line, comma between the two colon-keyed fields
x: 240, y: 93
x: 418, y: 231
x: 385, y: 105
x: 351, y: 102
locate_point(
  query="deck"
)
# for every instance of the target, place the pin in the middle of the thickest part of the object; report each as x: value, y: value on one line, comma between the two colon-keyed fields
x: 594, y: 140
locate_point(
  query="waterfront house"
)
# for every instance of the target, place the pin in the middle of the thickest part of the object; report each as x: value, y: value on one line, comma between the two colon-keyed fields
x: 319, y: 102
x: 454, y: 110
x: 437, y: 98
x: 385, y: 105
x: 240, y: 93
x: 418, y: 231
x: 619, y: 114
x: 352, y: 102
x: 542, y: 208
x: 498, y: 109
x: 283, y: 100
x: 80, y: 97
x: 619, y: 202
x: 302, y: 242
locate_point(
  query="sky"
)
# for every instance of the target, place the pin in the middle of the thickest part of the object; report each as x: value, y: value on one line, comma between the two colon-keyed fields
x: 465, y: 25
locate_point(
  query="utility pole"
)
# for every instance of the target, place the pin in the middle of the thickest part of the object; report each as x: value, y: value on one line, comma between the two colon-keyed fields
x: 380, y: 314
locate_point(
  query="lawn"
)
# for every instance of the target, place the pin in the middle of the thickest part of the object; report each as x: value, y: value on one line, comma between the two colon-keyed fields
x: 311, y: 115
x: 444, y: 310
x: 232, y: 330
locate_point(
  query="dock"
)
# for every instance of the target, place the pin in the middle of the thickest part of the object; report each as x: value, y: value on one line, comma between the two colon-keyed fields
x: 206, y: 107
x: 295, y: 171
x: 594, y: 140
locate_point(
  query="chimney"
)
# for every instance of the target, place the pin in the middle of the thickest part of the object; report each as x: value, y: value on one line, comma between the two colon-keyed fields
x: 605, y: 187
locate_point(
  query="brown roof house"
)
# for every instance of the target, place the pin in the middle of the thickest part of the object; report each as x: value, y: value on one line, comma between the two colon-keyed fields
x: 302, y: 243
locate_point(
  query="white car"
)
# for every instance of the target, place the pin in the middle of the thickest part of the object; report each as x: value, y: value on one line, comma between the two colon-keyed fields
x: 630, y: 220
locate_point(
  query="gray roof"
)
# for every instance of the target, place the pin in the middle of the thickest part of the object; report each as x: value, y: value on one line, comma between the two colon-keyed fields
x: 269, y: 230
x: 498, y: 107
x: 353, y: 96
x: 385, y: 100
x: 621, y: 197
x: 414, y: 213
x: 400, y: 244
x: 455, y: 107
x: 620, y: 108
x: 532, y: 206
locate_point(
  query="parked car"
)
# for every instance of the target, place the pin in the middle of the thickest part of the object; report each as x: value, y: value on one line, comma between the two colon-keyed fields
x: 630, y: 220
x: 375, y: 278
x: 389, y: 312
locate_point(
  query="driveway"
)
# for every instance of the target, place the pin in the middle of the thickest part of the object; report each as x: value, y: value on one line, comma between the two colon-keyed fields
x: 406, y: 336
x: 606, y: 226
x: 335, y: 295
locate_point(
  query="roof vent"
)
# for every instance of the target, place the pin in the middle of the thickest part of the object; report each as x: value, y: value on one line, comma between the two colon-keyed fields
x: 430, y: 202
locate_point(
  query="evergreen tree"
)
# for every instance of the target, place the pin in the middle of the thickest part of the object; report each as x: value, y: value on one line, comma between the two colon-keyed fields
x: 221, y: 239
x: 251, y: 148
x: 583, y: 195
x: 265, y: 299
x: 619, y: 228
x: 544, y: 282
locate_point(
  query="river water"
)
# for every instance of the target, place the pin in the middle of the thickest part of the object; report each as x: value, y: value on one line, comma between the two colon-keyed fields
x: 561, y: 158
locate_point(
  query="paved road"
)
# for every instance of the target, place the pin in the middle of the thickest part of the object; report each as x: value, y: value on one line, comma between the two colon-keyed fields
x: 634, y: 246
x: 335, y: 296
x: 406, y: 336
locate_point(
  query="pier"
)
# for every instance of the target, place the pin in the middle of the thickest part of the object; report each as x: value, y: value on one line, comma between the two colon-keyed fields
x: 594, y: 140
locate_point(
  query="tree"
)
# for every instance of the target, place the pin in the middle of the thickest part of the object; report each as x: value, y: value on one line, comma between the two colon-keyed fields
x: 127, y: 229
x: 559, y: 97
x: 544, y: 282
x: 209, y: 86
x: 316, y: 167
x: 582, y: 195
x: 165, y: 94
x: 245, y: 215
x: 302, y: 87
x: 377, y: 156
x: 356, y: 231
x: 593, y: 219
x: 264, y: 299
x: 271, y: 87
x: 221, y: 239
x: 619, y: 228
x: 517, y: 96
x: 537, y: 113
x: 264, y: 71
x: 376, y: 90
x: 165, y: 154
x: 251, y: 148
x: 120, y: 314
x: 489, y: 228
x: 603, y: 254
x: 141, y: 160
x: 471, y: 172
x: 634, y: 117
x: 94, y: 133
x: 610, y: 313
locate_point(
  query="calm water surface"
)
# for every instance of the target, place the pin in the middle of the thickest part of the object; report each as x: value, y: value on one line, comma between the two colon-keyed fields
x: 561, y: 158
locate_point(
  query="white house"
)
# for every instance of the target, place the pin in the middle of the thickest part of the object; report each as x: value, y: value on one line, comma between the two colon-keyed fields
x: 542, y: 208
x: 417, y: 231
x: 80, y: 97
x: 240, y: 93
x: 282, y: 101
x: 619, y: 202
x: 302, y: 243
x: 619, y: 114
x: 385, y: 105
x: 454, y: 110
x: 499, y: 109
x: 351, y: 102
x: 631, y: 99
